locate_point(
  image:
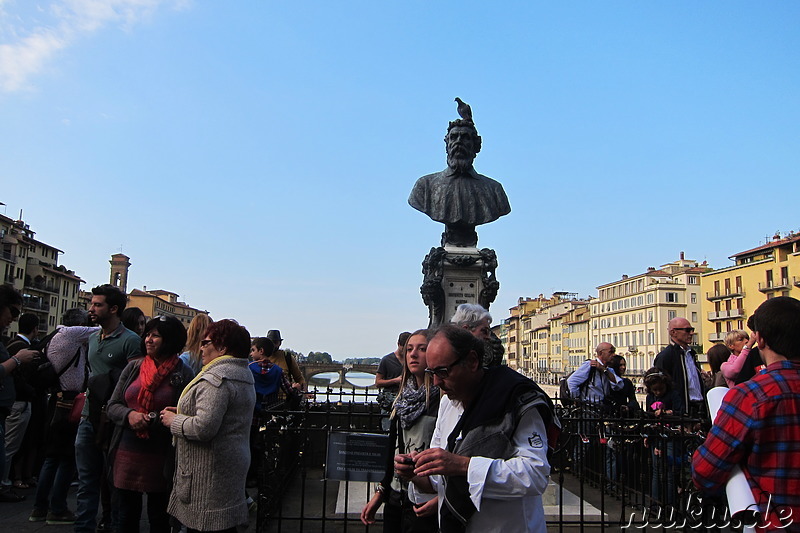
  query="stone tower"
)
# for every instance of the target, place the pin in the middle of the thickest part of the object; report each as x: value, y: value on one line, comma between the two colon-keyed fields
x: 119, y: 271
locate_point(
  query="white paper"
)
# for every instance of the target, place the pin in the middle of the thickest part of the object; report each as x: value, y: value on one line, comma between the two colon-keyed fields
x: 740, y: 497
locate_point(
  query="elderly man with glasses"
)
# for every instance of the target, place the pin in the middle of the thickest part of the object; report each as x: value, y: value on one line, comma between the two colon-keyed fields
x: 593, y: 381
x: 488, y: 455
x: 679, y: 360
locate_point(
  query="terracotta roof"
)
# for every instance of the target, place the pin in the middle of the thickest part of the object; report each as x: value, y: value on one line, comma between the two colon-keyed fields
x: 768, y: 246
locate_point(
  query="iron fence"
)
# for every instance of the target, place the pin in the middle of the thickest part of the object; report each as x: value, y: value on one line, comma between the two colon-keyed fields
x: 609, y: 472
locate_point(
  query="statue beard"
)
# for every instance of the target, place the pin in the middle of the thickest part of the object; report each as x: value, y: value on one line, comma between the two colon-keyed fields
x: 460, y: 161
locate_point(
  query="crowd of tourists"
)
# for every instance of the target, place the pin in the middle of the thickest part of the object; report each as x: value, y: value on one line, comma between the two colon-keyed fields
x: 137, y: 406
x: 134, y: 407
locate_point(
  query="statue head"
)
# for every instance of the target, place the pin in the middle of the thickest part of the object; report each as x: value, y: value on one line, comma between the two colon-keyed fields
x: 462, y: 144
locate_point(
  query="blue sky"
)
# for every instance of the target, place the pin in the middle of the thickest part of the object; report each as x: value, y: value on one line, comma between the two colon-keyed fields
x: 256, y: 156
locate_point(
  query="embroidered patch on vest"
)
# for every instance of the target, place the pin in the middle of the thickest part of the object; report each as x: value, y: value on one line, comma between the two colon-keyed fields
x: 535, y: 441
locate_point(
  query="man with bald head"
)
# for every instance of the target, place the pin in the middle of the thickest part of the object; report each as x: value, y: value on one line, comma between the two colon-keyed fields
x: 680, y: 361
x: 594, y: 380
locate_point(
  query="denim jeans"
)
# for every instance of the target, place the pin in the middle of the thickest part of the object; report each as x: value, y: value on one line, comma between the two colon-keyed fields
x: 53, y: 484
x: 663, y: 473
x: 89, y: 461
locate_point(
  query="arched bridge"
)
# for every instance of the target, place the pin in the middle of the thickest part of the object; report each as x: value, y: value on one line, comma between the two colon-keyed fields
x: 312, y: 369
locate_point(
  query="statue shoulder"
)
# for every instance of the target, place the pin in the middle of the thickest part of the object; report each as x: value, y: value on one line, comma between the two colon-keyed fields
x: 423, y: 190
x: 427, y: 178
x: 489, y: 181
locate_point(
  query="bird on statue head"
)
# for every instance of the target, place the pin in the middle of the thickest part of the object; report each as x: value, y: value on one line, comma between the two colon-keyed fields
x: 464, y: 110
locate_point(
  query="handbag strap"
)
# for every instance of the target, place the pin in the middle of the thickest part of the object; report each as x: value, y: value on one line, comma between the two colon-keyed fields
x: 86, y: 369
x: 71, y: 361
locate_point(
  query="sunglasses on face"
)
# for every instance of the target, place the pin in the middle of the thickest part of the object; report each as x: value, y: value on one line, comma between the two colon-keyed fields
x: 687, y: 330
x: 204, y: 343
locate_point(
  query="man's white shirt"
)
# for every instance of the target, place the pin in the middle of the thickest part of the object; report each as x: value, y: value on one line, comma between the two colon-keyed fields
x: 506, y: 493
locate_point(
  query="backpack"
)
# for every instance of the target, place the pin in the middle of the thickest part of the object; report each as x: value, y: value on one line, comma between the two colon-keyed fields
x: 46, y: 375
x: 563, y: 389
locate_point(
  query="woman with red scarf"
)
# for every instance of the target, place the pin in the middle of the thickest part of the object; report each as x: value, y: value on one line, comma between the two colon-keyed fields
x: 141, y: 454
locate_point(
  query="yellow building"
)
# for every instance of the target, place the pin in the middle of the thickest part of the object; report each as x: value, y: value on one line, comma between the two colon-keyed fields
x: 518, y: 330
x: 632, y: 313
x: 546, y: 363
x: 31, y: 266
x: 577, y: 342
x: 530, y: 347
x: 160, y: 302
x: 732, y: 294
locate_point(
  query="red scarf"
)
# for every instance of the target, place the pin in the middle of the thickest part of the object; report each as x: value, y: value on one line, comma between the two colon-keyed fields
x: 150, y: 377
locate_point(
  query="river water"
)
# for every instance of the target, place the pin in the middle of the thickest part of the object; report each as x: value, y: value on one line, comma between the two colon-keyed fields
x: 357, y: 379
x: 355, y: 392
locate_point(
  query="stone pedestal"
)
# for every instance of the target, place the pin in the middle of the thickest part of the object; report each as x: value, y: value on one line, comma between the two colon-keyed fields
x: 455, y: 275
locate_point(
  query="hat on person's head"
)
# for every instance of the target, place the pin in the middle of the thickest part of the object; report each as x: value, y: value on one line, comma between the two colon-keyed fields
x: 274, y: 335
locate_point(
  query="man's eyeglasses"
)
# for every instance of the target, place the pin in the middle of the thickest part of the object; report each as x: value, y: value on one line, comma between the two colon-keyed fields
x: 687, y: 330
x: 442, y: 372
x: 204, y: 343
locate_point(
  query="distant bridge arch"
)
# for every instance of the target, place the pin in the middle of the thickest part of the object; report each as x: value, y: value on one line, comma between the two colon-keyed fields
x: 310, y: 370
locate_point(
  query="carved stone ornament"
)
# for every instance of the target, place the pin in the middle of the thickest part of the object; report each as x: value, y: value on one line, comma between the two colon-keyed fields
x: 434, y: 268
x: 431, y: 289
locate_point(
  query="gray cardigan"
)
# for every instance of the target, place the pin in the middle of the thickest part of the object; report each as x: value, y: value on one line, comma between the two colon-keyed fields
x: 212, y: 433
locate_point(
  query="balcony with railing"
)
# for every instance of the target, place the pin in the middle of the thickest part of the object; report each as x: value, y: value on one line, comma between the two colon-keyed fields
x: 8, y: 256
x: 770, y: 286
x: 31, y: 304
x: 41, y: 285
x: 717, y: 337
x: 736, y: 292
x: 726, y: 314
x: 796, y: 281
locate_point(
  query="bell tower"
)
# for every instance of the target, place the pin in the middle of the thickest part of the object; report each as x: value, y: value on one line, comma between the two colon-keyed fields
x: 119, y: 271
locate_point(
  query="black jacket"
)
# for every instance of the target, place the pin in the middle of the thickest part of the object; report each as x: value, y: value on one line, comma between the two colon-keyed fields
x: 672, y: 361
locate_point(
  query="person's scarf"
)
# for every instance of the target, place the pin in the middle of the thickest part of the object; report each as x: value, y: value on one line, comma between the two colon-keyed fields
x: 410, y: 403
x: 265, y: 365
x: 150, y: 377
x: 200, y: 376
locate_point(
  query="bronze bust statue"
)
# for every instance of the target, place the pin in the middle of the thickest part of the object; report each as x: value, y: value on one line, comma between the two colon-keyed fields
x: 458, y: 196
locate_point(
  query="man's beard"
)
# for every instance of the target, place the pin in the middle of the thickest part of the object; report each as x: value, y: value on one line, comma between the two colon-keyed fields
x: 460, y: 163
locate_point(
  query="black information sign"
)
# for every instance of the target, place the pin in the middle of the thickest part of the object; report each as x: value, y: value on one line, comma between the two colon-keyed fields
x: 356, y: 456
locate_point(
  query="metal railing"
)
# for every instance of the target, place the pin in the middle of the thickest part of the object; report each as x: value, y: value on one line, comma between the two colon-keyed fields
x: 606, y: 475
x: 773, y: 285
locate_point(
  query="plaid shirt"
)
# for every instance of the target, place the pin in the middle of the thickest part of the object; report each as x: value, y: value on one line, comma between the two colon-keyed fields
x: 758, y: 428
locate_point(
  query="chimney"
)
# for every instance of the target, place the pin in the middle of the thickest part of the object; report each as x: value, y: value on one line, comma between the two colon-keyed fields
x: 683, y: 256
x: 624, y: 276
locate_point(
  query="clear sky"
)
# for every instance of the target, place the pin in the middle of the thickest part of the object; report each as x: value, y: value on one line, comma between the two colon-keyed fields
x: 256, y: 156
